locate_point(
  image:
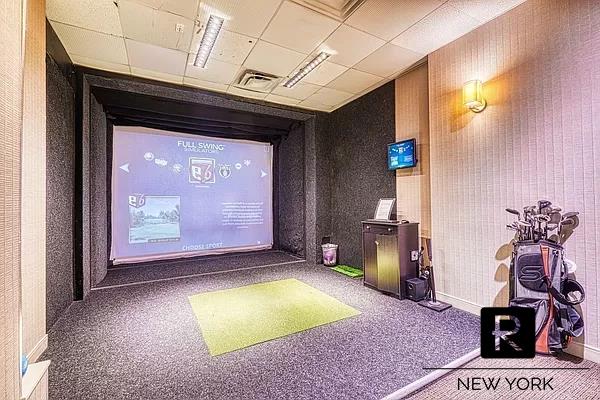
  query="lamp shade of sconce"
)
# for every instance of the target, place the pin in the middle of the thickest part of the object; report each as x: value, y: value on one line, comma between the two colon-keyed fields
x: 473, y: 96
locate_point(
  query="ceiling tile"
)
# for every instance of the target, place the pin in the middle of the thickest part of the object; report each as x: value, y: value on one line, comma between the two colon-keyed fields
x: 215, y: 71
x: 299, y: 28
x: 439, y: 28
x: 148, y: 25
x: 300, y: 91
x: 313, y: 104
x: 324, y: 73
x: 387, y: 60
x: 185, y: 8
x: 387, y: 18
x: 97, y: 15
x: 350, y: 45
x: 155, y: 75
x: 353, y: 81
x: 219, y: 87
x: 248, y: 17
x: 330, y: 97
x: 230, y: 47
x: 485, y: 10
x: 90, y: 44
x: 273, y: 59
x: 246, y: 93
x: 282, y: 100
x: 99, y: 64
x: 155, y: 58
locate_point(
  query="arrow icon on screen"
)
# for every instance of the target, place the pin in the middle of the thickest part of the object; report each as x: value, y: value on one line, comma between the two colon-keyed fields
x: 262, y: 173
x: 125, y: 167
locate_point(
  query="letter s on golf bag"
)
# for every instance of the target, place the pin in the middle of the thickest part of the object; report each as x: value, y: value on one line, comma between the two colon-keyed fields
x: 538, y: 279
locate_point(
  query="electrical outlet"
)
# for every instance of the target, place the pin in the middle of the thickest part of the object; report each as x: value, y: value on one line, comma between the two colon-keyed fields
x: 414, y: 255
x: 179, y: 27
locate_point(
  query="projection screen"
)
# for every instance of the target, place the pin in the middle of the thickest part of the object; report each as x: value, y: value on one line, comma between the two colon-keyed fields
x: 181, y: 195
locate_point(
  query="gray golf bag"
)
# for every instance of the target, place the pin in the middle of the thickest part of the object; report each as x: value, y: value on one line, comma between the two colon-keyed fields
x: 538, y: 279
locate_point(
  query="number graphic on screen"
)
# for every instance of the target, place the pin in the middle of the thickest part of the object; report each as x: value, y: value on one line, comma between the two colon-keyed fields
x: 137, y: 200
x: 202, y: 170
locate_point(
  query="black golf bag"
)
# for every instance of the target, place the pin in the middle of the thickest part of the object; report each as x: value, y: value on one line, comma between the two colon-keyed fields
x: 538, y: 279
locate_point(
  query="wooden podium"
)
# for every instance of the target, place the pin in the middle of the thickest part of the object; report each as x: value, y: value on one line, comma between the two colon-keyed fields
x: 387, y: 247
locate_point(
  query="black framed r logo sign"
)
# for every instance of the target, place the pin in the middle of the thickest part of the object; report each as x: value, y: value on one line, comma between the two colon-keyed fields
x: 513, y: 327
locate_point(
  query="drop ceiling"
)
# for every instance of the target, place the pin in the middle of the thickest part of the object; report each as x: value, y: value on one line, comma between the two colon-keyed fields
x: 371, y: 41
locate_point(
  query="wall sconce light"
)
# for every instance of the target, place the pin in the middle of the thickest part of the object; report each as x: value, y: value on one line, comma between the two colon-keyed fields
x: 473, y: 96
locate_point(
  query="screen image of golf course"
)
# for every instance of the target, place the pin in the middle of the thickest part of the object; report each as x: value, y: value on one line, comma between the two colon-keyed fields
x: 156, y: 221
x: 176, y: 193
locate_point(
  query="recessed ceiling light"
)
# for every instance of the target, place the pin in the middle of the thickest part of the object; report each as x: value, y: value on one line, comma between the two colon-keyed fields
x: 213, y: 27
x: 314, y: 63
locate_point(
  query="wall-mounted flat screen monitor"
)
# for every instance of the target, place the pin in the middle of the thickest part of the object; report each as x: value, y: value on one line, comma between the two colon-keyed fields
x: 402, y: 154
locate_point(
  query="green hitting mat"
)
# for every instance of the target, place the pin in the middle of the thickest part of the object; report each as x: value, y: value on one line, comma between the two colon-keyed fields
x: 232, y: 319
x: 348, y: 271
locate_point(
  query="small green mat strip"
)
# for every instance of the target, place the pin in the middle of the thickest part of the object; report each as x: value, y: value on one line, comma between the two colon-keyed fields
x: 348, y: 271
x: 233, y: 319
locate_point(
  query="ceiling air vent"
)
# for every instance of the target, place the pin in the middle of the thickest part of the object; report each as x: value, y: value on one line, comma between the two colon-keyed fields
x: 258, y: 81
x: 338, y: 9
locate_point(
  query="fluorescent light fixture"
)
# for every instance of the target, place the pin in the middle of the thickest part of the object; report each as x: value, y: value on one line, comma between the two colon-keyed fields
x: 213, y: 27
x: 314, y: 63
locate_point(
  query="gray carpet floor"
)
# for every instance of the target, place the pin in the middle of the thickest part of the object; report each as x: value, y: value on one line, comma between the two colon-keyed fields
x: 143, y: 342
x: 181, y: 268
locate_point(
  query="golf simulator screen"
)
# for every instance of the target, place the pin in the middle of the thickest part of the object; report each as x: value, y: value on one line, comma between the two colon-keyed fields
x: 178, y: 195
x: 402, y: 154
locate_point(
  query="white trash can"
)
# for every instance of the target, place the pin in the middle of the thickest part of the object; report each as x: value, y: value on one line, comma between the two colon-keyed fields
x: 329, y: 254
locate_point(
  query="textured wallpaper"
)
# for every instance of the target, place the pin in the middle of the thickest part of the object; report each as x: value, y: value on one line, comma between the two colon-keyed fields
x: 33, y: 181
x: 413, y: 189
x: 538, y: 138
x: 11, y: 70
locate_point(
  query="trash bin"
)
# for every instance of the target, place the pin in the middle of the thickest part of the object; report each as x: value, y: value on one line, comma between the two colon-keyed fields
x: 329, y: 254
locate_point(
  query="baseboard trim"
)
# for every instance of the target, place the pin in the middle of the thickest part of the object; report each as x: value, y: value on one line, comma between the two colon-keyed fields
x: 36, y: 372
x: 430, y: 378
x: 461, y: 304
x: 585, y: 351
x: 38, y: 349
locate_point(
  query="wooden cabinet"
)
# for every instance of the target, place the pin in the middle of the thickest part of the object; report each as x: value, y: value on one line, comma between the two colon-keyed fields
x: 387, y: 247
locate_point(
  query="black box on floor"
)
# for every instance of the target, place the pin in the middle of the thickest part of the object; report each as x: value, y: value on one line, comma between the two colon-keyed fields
x: 416, y: 288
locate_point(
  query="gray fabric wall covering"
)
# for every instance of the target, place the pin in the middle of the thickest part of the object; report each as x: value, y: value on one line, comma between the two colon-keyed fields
x: 358, y: 134
x: 60, y: 170
x: 323, y: 152
x: 298, y: 204
x: 86, y: 261
x: 291, y: 193
x: 98, y: 192
x: 332, y: 169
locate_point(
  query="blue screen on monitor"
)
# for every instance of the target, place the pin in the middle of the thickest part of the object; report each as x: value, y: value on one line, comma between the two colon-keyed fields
x: 402, y: 154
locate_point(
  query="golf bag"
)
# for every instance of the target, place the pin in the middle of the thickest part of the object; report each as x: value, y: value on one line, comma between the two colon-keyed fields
x: 539, y: 279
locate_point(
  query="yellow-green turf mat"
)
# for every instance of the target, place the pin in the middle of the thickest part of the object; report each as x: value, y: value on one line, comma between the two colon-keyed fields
x: 232, y: 319
x: 348, y: 271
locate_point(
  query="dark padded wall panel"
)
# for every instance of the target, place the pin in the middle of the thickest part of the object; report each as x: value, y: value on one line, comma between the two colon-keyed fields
x: 361, y: 132
x: 324, y: 147
x: 86, y: 262
x: 291, y: 192
x: 301, y: 200
x: 60, y: 170
x: 98, y: 200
